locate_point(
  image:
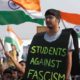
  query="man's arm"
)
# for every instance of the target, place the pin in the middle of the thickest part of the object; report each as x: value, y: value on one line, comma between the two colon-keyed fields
x: 16, y: 63
x: 69, y: 57
x: 69, y: 65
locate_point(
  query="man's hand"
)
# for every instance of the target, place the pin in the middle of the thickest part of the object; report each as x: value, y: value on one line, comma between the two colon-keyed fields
x: 8, y: 54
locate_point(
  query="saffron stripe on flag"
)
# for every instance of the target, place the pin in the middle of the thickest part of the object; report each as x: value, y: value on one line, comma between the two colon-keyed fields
x: 29, y: 4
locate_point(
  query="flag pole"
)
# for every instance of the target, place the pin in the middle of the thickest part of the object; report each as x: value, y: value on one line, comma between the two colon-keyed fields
x: 2, y: 45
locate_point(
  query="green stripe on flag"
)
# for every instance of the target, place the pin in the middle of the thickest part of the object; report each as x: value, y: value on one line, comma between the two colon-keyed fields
x: 17, y: 17
x: 12, y: 41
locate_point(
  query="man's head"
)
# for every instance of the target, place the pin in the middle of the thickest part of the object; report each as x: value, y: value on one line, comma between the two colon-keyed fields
x: 7, y: 74
x: 13, y: 72
x: 23, y: 63
x: 52, y: 17
x: 13, y: 47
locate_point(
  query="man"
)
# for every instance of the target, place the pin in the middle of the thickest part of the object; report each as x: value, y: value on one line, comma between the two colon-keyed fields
x: 20, y: 66
x: 7, y: 75
x: 14, y: 54
x: 14, y: 73
x: 20, y: 74
x: 50, y: 53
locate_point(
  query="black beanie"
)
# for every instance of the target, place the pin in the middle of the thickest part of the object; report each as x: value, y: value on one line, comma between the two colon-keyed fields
x: 53, y: 12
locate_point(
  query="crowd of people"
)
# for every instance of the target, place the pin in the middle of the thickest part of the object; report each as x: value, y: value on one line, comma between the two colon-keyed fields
x: 12, y: 73
x: 50, y: 55
x: 10, y: 67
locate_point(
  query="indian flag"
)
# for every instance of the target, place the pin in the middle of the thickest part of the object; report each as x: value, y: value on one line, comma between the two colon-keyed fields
x: 70, y: 14
x: 12, y: 38
x: 20, y: 11
x: 72, y: 18
x: 70, y: 10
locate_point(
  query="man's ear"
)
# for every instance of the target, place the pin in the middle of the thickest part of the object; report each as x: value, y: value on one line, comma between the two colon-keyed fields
x: 58, y: 21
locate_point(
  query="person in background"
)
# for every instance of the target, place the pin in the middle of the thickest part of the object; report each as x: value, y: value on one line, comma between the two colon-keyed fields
x: 14, y: 73
x: 14, y: 54
x: 2, y: 58
x: 20, y: 74
x: 25, y: 52
x: 7, y: 74
x: 10, y: 73
x: 20, y: 67
x: 1, y: 71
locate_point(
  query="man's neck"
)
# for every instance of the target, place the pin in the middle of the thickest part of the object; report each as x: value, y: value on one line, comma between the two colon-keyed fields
x: 53, y: 31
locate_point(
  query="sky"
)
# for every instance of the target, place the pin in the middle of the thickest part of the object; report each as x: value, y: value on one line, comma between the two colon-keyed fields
x: 27, y: 30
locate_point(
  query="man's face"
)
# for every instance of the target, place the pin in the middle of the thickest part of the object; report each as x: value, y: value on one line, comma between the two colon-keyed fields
x: 50, y: 21
x: 14, y: 74
x: 13, y: 47
x: 7, y: 76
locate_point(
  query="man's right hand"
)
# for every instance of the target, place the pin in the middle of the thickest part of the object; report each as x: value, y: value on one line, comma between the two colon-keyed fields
x: 8, y: 54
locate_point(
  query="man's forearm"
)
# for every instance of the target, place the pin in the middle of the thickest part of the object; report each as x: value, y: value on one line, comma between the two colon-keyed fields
x: 16, y: 63
x: 69, y: 65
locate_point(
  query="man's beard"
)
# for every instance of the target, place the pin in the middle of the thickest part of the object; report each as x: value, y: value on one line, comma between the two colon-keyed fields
x: 49, y: 26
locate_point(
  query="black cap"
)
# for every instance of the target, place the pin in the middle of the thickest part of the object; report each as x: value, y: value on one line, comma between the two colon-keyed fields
x: 7, y: 71
x: 12, y: 68
x: 53, y: 12
x: 22, y: 61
